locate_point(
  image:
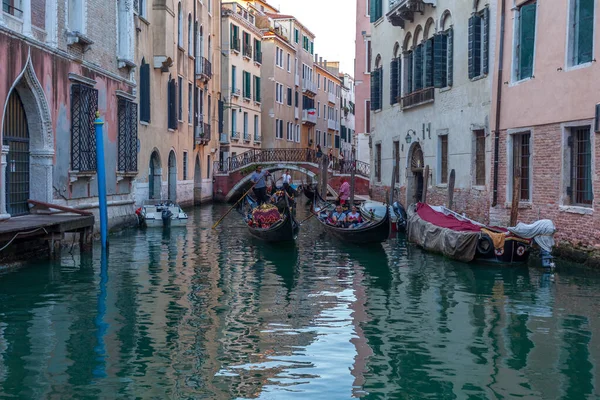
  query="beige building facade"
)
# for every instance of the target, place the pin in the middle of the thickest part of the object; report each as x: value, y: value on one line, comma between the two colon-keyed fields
x: 327, y: 132
x: 177, y: 51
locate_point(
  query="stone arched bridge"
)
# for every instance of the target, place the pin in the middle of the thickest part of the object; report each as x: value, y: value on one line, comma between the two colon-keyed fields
x: 231, y: 175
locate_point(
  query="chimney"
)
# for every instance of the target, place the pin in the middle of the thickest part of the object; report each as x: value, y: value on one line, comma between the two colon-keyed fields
x: 320, y: 60
x: 316, y: 58
x: 324, y: 63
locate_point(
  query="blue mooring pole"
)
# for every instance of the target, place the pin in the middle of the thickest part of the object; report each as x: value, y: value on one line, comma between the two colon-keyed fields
x: 101, y: 174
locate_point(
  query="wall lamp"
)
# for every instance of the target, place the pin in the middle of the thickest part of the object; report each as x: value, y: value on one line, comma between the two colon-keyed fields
x: 408, y: 138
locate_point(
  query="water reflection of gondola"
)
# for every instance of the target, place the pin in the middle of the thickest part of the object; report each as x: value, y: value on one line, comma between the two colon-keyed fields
x: 284, y: 260
x: 374, y: 261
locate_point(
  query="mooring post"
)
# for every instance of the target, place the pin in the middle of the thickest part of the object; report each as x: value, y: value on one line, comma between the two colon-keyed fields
x: 352, y: 175
x: 101, y: 173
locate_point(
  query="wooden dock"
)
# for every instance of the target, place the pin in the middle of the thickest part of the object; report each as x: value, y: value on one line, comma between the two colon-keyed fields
x: 18, y: 233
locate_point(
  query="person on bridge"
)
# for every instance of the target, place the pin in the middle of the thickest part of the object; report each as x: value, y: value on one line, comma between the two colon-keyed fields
x: 344, y: 194
x: 287, y: 180
x: 260, y: 185
x: 341, y: 161
x: 330, y: 166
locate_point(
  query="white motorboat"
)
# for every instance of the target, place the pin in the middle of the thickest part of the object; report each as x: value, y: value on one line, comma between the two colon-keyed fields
x: 159, y: 213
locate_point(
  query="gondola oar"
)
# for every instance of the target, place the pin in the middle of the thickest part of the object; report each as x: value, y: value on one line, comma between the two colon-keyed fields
x: 314, y: 213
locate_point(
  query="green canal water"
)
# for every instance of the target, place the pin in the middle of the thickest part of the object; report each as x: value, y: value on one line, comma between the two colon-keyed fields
x: 203, y: 314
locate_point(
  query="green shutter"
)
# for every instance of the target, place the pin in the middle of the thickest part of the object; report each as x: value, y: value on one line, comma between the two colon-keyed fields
x: 408, y: 62
x: 380, y: 87
x: 393, y: 81
x: 312, y: 47
x: 375, y: 90
x: 418, y: 68
x: 474, y: 46
x: 584, y: 31
x: 233, y: 82
x: 429, y: 63
x: 526, y: 40
x: 440, y: 60
x: 399, y: 90
x: 257, y: 89
x: 450, y: 57
x: 486, y: 41
x: 471, y: 46
x: 372, y: 12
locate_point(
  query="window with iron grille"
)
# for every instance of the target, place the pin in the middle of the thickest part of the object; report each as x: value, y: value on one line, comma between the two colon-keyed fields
x: 580, y: 189
x: 479, y: 157
x: 145, y: 91
x: 128, y: 135
x: 376, y: 89
x: 84, y: 104
x: 443, y: 159
x: 378, y: 162
x: 185, y: 165
x: 522, y: 163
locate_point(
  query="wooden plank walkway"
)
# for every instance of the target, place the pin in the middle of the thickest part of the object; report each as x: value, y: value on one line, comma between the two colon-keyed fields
x: 40, y: 225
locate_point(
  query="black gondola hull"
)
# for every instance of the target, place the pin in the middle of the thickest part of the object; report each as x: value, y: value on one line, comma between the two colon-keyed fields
x: 287, y: 231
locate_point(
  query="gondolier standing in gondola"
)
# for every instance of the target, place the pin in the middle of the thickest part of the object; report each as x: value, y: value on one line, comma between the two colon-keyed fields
x: 260, y: 185
x: 287, y: 180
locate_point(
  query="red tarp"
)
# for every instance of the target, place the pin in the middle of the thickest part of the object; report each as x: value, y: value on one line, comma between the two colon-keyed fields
x: 428, y: 214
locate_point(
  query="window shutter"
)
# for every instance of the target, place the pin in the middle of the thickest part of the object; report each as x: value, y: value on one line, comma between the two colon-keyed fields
x: 248, y: 85
x: 380, y: 99
x: 398, y: 80
x: 343, y: 132
x: 527, y: 40
x: 372, y: 11
x: 337, y: 142
x: 471, y: 47
x: 145, y: 92
x: 585, y: 32
x: 418, y: 68
x: 375, y: 90
x: 221, y: 109
x: 408, y: 61
x: 486, y: 41
x: 393, y: 80
x: 450, y: 57
x: 429, y: 63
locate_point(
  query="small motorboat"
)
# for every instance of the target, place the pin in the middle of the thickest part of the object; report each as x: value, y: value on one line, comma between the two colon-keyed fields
x: 376, y: 210
x: 161, y: 213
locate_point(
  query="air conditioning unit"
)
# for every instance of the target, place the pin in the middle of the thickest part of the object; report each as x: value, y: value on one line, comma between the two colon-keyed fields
x: 597, y: 119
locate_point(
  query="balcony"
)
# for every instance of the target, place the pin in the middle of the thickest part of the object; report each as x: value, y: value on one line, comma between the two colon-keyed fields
x: 202, y: 134
x: 331, y: 97
x: 223, y: 139
x: 258, y: 57
x: 333, y: 125
x: 246, y: 136
x: 297, y: 80
x: 418, y: 98
x: 402, y: 11
x: 308, y: 86
x: 203, y: 69
x: 309, y: 116
x: 235, y: 92
x: 235, y: 135
x: 235, y: 45
x: 247, y: 53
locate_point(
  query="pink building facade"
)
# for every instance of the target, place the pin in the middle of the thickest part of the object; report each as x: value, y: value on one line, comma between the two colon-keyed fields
x: 545, y: 117
x: 362, y: 69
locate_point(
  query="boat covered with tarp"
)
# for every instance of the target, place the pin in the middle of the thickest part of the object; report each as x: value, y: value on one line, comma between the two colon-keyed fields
x: 438, y: 229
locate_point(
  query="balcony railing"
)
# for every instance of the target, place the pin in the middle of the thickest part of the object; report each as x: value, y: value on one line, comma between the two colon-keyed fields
x: 258, y: 57
x: 414, y: 99
x: 202, y: 134
x: 308, y: 86
x: 309, y: 116
x: 235, y: 45
x: 203, y: 68
x: 247, y: 51
x: 331, y: 97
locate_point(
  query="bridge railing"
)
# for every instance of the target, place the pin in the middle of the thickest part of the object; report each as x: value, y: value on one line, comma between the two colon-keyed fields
x: 287, y: 155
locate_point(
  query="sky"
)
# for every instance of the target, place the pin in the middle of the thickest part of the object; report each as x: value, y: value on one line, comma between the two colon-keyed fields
x: 332, y: 21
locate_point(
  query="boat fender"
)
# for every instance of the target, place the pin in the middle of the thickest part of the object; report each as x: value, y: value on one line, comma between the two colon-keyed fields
x: 485, y: 245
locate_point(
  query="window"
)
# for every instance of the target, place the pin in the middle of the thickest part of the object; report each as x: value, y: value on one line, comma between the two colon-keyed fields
x: 377, y: 159
x: 396, y: 159
x: 127, y: 141
x: 524, y: 37
x: 521, y: 161
x: 368, y: 8
x: 443, y: 58
x: 145, y: 91
x: 312, y: 47
x: 368, y: 116
x: 180, y: 98
x: 329, y: 140
x: 318, y: 137
x: 297, y: 133
x: 376, y: 10
x: 318, y: 81
x: 479, y: 157
x: 247, y: 85
x: 234, y: 133
x: 580, y: 190
x: 305, y: 43
x: 257, y: 89
x: 246, y: 132
x: 288, y: 132
x: 278, y: 92
x: 247, y: 46
x: 185, y: 164
x: 289, y: 96
x: 257, y: 51
x: 190, y: 36
x: 256, y: 135
x: 235, y: 37
x: 581, y: 41
x: 279, y: 57
x: 443, y: 160
x: 376, y: 88
x: 369, y: 55
x: 318, y: 109
x: 337, y: 142
x: 234, y: 80
x: 479, y: 28
x: 84, y: 103
x: 324, y: 111
x: 296, y: 96
x: 190, y: 97
x: 172, y: 104
x: 179, y: 26
x: 289, y: 63
x: 296, y: 35
x: 395, y: 77
x: 279, y: 129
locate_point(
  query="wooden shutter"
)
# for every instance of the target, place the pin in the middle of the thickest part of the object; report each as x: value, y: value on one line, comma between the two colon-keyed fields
x: 418, y: 69
x: 220, y: 110
x: 145, y: 92
x: 471, y: 46
x: 429, y: 63
x: 399, y: 80
x: 584, y: 31
x: 394, y: 80
x: 408, y: 62
x: 373, y: 11
x: 380, y: 88
x: 450, y: 57
x: 375, y: 90
x: 486, y: 41
x: 474, y: 46
x: 172, y: 104
x: 527, y: 40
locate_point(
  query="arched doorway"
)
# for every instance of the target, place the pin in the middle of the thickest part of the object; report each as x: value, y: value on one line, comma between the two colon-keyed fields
x: 197, y: 182
x: 16, y: 137
x: 172, y: 183
x: 154, y: 176
x: 414, y: 185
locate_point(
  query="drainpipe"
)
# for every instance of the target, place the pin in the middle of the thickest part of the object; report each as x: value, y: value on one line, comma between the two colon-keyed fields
x: 498, y: 104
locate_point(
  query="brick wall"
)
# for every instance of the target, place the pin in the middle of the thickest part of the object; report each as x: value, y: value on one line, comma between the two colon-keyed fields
x: 577, y: 229
x: 38, y: 13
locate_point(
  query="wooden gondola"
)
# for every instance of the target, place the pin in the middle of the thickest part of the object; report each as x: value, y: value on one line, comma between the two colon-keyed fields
x: 285, y: 230
x: 309, y: 192
x: 373, y: 231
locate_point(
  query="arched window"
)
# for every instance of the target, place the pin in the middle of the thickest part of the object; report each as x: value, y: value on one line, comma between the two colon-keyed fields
x: 179, y: 26
x: 377, y: 85
x: 190, y: 36
x: 396, y: 76
x: 445, y: 47
x: 429, y: 29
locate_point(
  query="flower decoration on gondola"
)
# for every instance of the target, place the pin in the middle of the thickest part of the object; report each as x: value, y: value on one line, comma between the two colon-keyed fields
x: 265, y: 216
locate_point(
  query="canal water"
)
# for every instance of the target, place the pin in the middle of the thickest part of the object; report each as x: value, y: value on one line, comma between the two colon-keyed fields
x: 203, y: 314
